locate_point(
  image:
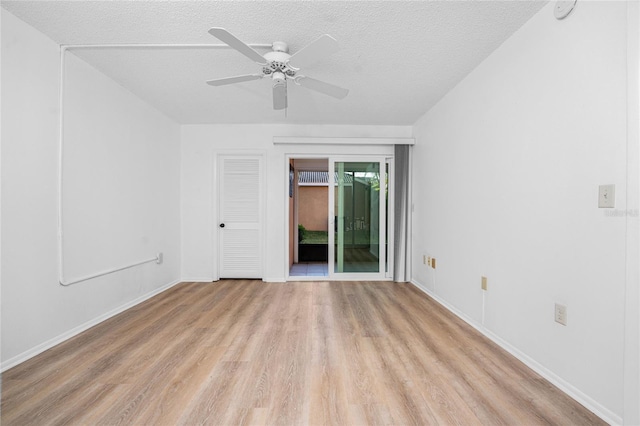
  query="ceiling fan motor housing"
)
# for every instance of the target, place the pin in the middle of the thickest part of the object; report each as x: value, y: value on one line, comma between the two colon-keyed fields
x: 278, y: 62
x: 280, y: 46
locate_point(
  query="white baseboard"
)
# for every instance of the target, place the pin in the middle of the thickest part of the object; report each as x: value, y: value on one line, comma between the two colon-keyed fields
x: 198, y: 280
x: 12, y: 362
x: 210, y: 280
x: 592, y: 405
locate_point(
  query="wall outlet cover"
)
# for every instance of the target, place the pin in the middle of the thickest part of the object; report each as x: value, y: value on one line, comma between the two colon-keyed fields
x: 561, y: 314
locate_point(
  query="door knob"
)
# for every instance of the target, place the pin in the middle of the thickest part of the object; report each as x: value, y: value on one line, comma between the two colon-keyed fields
x: 222, y: 225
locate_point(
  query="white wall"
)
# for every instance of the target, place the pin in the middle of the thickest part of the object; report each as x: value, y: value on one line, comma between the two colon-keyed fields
x: 0, y: 203
x: 121, y: 187
x: 200, y: 143
x: 510, y: 163
x: 632, y: 294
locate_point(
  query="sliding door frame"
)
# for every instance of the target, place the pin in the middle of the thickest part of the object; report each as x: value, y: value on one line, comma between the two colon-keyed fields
x: 387, y: 160
x: 384, y: 247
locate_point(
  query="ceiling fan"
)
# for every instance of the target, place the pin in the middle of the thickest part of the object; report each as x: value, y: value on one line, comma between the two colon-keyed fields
x: 280, y: 66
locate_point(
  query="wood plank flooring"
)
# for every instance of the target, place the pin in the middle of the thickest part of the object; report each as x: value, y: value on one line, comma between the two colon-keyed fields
x: 246, y: 352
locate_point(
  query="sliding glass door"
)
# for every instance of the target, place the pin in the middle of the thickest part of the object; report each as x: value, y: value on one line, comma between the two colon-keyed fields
x: 358, y: 206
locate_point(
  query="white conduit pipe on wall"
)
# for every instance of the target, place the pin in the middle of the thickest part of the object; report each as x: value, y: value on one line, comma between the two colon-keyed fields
x: 63, y: 49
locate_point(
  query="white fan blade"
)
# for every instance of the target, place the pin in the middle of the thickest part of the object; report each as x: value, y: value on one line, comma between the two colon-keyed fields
x: 232, y: 80
x: 322, y: 87
x: 234, y: 42
x: 315, y: 51
x: 280, y: 96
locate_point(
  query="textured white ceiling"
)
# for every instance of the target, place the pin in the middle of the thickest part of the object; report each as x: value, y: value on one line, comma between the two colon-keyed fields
x: 398, y: 58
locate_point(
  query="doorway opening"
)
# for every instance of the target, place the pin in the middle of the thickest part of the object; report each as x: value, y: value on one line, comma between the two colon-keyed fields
x: 308, y: 216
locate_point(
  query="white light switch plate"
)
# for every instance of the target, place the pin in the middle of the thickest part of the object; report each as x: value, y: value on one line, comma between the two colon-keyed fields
x: 607, y: 196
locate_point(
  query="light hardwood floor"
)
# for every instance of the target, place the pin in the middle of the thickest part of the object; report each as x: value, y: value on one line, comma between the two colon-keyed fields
x: 248, y: 352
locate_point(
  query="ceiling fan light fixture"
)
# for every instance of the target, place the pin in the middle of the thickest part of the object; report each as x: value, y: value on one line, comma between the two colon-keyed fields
x: 278, y: 78
x: 279, y: 90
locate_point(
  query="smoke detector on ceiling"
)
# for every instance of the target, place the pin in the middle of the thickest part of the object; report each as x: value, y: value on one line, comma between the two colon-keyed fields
x: 563, y: 8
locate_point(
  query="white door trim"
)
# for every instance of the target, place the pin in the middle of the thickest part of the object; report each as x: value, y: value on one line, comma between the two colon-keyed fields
x: 391, y: 219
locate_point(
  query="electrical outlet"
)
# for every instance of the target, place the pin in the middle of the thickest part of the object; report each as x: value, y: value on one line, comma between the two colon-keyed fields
x: 561, y: 314
x: 424, y: 259
x: 159, y: 258
x: 483, y: 283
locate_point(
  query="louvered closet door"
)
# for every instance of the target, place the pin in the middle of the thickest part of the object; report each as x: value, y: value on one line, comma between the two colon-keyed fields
x: 240, y: 216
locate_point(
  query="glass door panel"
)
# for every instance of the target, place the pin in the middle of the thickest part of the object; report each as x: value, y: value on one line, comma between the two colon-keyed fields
x: 359, y: 207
